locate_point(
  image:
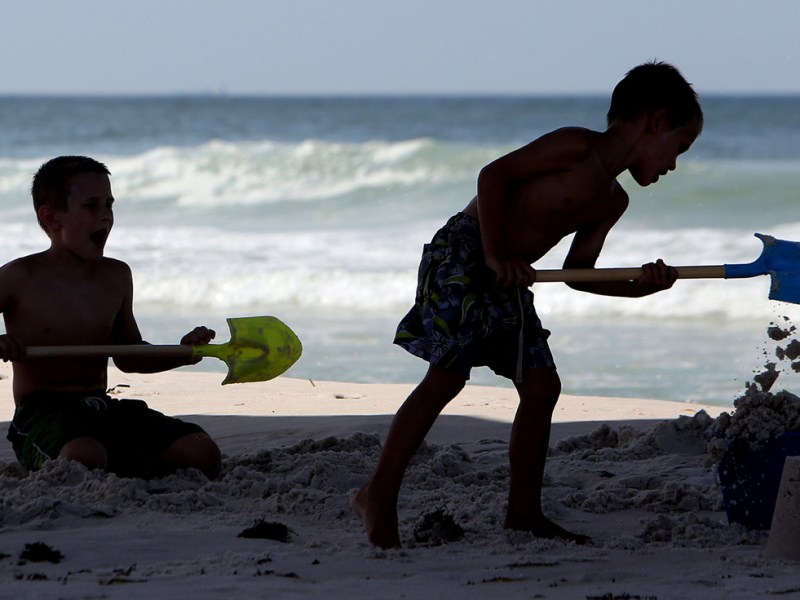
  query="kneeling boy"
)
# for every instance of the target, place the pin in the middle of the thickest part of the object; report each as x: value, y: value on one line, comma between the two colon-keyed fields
x: 71, y: 294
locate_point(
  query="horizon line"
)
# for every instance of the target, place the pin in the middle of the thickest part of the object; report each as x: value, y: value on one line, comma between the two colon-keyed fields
x: 362, y: 95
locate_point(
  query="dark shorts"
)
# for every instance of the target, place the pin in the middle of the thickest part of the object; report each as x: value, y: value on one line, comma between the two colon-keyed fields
x: 462, y: 319
x: 134, y: 435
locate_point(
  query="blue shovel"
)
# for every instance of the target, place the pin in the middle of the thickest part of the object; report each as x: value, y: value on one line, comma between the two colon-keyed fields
x: 780, y: 259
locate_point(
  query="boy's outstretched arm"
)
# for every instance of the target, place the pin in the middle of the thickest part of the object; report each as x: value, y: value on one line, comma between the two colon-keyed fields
x: 656, y: 276
x: 139, y: 364
x: 126, y: 331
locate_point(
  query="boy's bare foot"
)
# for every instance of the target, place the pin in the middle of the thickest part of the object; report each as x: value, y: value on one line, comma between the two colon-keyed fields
x: 380, y: 522
x: 544, y: 528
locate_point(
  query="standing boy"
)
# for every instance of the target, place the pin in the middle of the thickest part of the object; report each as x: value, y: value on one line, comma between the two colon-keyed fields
x: 473, y: 307
x: 72, y: 294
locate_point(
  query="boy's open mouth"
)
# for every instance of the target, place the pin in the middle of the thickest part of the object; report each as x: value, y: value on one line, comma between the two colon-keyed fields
x: 99, y: 237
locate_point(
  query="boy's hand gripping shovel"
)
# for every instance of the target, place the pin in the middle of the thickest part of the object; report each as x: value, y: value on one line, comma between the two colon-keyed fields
x: 780, y: 259
x: 260, y: 349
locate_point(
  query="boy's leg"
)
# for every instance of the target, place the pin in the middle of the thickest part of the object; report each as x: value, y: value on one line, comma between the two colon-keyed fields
x: 376, y: 502
x: 144, y: 442
x: 195, y: 450
x: 530, y: 438
x: 52, y: 425
x: 86, y: 450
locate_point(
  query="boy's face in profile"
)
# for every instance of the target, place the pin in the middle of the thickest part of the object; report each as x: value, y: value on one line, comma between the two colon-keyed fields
x: 660, y: 151
x: 84, y: 227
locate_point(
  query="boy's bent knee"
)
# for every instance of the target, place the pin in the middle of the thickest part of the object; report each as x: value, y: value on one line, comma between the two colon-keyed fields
x: 194, y: 451
x: 87, y: 451
x: 438, y: 387
x: 540, y: 385
x: 444, y: 382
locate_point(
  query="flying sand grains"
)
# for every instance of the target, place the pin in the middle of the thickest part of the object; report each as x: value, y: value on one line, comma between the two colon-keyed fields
x: 778, y: 334
x: 790, y: 351
x: 760, y: 415
x: 767, y: 378
x: 793, y: 350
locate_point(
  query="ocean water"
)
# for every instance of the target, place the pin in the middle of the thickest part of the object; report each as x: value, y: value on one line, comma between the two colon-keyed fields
x: 315, y: 210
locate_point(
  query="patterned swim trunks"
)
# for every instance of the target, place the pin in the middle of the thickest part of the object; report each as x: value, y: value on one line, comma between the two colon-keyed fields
x: 462, y: 319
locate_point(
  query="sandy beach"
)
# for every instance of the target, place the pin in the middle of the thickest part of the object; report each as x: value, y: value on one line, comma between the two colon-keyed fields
x: 633, y: 474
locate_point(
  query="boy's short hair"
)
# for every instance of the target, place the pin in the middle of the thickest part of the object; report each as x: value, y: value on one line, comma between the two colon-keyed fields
x: 654, y: 86
x: 51, y: 183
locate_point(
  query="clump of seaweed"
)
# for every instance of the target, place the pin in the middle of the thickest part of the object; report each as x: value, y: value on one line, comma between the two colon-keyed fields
x: 269, y: 530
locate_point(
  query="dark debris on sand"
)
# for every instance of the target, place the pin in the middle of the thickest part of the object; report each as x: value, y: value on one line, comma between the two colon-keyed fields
x: 40, y: 552
x: 437, y: 527
x: 268, y: 530
x: 622, y: 596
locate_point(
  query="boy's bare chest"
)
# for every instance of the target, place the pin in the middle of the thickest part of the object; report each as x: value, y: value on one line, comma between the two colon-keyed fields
x: 57, y: 312
x: 543, y: 215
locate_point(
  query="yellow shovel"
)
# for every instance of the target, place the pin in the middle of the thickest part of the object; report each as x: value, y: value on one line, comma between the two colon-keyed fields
x: 260, y: 349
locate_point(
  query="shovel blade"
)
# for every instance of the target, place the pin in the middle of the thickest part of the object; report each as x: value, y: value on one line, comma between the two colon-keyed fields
x: 260, y: 349
x: 785, y: 287
x: 780, y: 259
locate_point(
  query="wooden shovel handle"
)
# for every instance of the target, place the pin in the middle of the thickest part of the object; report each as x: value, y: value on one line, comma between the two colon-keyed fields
x: 164, y: 351
x: 623, y: 274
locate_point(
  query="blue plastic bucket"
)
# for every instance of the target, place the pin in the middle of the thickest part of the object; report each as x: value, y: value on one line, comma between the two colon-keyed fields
x: 750, y: 478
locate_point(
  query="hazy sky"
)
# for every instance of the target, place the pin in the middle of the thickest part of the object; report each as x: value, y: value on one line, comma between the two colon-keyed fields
x: 392, y: 46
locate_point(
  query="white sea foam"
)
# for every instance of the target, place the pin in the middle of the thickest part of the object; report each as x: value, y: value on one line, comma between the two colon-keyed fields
x: 220, y: 173
x: 375, y: 270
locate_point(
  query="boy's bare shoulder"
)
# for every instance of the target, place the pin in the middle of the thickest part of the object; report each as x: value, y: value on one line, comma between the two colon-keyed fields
x: 579, y: 139
x: 115, y: 264
x: 30, y: 264
x: 23, y: 266
x: 13, y: 277
x: 576, y: 135
x: 571, y: 144
x: 35, y: 270
x: 116, y: 272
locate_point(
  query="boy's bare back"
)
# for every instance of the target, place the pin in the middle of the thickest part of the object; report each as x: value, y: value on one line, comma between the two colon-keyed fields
x: 564, y: 183
x: 564, y: 188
